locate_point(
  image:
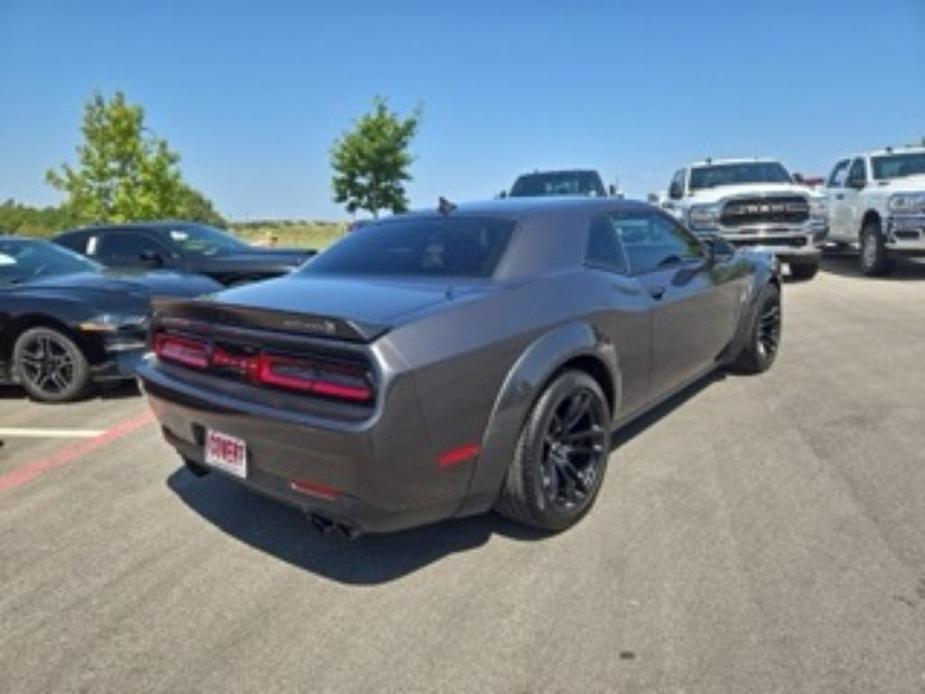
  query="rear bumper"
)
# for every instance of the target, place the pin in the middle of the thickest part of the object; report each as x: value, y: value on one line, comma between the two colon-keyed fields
x: 370, y: 478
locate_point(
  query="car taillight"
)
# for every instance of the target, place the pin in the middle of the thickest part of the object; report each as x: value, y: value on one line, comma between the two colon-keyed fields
x: 334, y: 380
x: 182, y: 350
x: 328, y: 379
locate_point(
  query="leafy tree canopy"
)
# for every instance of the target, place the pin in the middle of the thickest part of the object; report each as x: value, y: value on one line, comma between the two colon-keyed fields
x: 371, y: 161
x: 124, y: 172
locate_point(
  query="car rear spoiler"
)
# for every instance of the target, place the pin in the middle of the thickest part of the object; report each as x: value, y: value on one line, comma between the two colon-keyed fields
x: 180, y: 312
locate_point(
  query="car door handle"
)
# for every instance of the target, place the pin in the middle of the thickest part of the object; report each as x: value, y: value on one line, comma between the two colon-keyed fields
x: 656, y: 292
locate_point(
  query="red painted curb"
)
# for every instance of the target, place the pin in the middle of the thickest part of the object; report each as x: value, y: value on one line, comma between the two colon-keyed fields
x: 29, y: 471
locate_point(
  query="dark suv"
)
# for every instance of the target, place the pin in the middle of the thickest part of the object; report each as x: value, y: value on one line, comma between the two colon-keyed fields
x: 184, y: 247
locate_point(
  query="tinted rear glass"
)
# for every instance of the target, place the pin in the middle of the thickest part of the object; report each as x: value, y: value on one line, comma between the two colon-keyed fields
x: 564, y: 183
x: 431, y: 247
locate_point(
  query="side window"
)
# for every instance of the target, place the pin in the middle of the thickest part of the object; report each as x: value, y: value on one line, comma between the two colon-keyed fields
x: 604, y: 249
x: 655, y: 242
x: 857, y: 174
x: 838, y: 176
x: 123, y: 247
x: 75, y: 242
x: 676, y: 189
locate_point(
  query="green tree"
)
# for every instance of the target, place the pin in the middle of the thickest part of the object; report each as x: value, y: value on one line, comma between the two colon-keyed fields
x: 371, y: 161
x: 124, y: 172
x: 196, y: 207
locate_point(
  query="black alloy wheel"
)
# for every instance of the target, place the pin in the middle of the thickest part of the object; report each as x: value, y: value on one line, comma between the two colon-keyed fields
x: 50, y: 367
x: 574, y: 450
x: 763, y: 340
x: 561, y: 456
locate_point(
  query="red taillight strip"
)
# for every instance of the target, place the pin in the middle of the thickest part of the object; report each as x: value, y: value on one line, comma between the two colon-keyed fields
x: 458, y: 455
x: 266, y: 374
x: 182, y: 350
x: 322, y: 491
x: 259, y: 369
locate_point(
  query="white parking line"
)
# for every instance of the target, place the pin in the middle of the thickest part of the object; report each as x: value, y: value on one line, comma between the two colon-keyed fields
x: 27, y: 433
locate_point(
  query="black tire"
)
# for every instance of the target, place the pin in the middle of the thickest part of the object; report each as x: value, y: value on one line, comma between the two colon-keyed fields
x: 875, y: 261
x: 804, y: 271
x: 763, y: 338
x: 50, y: 366
x: 561, y: 455
x: 196, y: 469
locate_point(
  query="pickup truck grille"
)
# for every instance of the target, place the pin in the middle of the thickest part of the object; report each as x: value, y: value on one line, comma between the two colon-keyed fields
x: 790, y: 209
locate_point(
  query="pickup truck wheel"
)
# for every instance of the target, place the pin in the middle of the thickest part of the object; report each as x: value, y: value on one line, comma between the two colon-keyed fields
x: 561, y: 455
x: 49, y: 366
x: 763, y: 338
x: 804, y: 271
x: 874, y: 258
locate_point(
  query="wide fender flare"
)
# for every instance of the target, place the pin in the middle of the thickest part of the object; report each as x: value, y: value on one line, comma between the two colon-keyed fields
x: 520, y: 390
x: 764, y: 275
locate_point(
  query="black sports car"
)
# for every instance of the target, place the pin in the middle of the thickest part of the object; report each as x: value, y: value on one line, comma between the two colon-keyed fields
x: 184, y: 247
x: 442, y: 363
x: 65, y: 323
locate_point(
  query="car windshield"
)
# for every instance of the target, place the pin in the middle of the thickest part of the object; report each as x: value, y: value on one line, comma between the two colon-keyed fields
x: 737, y: 174
x: 899, y: 165
x: 24, y: 260
x: 423, y: 247
x: 201, y: 240
x: 560, y: 183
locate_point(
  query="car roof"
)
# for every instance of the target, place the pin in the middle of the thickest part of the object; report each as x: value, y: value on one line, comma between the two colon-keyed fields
x: 160, y: 225
x: 886, y: 151
x: 522, y: 208
x: 740, y: 160
x: 554, y: 172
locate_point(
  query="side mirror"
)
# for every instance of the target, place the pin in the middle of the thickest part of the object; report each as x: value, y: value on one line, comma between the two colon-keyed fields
x: 720, y: 248
x: 611, y: 190
x: 150, y: 257
x: 502, y: 194
x: 856, y: 183
x: 798, y: 178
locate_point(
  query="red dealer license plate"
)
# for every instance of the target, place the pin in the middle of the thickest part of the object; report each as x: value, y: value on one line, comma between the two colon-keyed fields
x: 226, y: 452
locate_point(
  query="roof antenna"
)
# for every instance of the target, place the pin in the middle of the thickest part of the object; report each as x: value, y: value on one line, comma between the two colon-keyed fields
x: 444, y: 206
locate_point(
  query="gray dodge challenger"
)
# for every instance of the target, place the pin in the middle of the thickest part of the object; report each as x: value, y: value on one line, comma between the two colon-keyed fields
x: 447, y: 362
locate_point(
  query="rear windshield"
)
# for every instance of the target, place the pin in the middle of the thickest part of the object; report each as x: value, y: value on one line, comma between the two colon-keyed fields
x: 430, y: 247
x: 899, y: 165
x: 737, y: 174
x: 560, y: 183
x: 22, y: 260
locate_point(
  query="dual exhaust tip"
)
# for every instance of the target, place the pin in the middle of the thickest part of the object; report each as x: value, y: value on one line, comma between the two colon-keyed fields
x: 326, y: 526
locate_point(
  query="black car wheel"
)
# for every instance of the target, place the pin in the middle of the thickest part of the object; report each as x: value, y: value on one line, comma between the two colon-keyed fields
x: 50, y: 367
x: 764, y: 332
x: 874, y: 258
x: 561, y: 455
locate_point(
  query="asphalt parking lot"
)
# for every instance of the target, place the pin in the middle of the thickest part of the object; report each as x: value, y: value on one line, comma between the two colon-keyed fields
x: 756, y: 534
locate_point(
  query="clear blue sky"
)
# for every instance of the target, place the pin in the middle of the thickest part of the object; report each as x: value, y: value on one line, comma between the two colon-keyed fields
x: 253, y: 93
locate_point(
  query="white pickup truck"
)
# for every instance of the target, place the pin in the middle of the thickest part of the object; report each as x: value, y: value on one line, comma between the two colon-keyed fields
x: 754, y: 203
x: 877, y: 202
